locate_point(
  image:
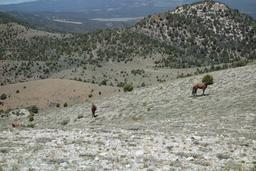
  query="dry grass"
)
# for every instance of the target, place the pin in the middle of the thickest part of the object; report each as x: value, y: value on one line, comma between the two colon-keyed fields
x: 50, y: 92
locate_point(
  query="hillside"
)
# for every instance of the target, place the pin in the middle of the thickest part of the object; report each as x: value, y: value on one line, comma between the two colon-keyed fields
x: 196, y: 35
x: 205, y: 33
x: 49, y: 93
x: 156, y: 128
x: 110, y: 56
x: 6, y: 18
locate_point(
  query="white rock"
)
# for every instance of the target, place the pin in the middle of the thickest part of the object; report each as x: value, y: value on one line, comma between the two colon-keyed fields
x: 139, y: 153
x: 21, y: 113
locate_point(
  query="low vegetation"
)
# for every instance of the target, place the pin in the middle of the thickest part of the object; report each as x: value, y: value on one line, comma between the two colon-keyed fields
x: 65, y: 104
x: 207, y: 79
x: 3, y: 96
x: 127, y: 87
x: 31, y: 125
x: 31, y: 117
x: 33, y: 109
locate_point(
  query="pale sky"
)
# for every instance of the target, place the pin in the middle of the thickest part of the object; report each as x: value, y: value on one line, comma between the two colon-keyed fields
x: 13, y: 1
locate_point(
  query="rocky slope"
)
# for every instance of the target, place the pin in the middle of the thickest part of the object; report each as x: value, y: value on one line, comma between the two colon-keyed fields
x: 156, y: 128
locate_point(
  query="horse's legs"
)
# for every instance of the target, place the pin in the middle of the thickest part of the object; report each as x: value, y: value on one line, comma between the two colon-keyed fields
x: 194, y: 91
x: 203, y: 91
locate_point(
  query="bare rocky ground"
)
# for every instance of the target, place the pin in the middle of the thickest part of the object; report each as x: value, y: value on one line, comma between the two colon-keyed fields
x: 155, y: 128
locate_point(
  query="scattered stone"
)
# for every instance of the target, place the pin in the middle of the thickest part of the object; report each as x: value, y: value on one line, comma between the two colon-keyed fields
x: 221, y: 156
x: 4, y: 150
x: 65, y: 121
x: 80, y: 116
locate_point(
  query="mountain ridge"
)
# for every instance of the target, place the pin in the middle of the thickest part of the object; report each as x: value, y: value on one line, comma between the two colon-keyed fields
x: 204, y: 25
x: 165, y: 41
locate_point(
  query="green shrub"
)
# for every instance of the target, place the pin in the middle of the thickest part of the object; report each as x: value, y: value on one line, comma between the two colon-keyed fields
x: 208, y: 79
x: 3, y: 96
x: 33, y: 109
x: 104, y: 82
x: 58, y: 105
x: 128, y: 87
x: 65, y: 105
x: 31, y: 125
x: 121, y: 84
x: 240, y: 63
x: 31, y: 118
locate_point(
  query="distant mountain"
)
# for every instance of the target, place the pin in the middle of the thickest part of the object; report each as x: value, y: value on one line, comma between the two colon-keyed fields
x: 80, y: 5
x: 6, y: 18
x: 70, y: 21
x: 48, y: 14
x: 135, y: 7
x: 114, y: 13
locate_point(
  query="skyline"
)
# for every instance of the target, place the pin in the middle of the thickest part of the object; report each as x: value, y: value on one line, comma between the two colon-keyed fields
x: 5, y: 2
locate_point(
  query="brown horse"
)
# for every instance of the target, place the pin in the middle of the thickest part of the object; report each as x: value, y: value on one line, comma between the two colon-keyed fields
x: 93, y: 108
x: 202, y: 86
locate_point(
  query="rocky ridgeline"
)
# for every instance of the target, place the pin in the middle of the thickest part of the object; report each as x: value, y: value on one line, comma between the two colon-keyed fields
x: 154, y: 128
x: 202, y: 9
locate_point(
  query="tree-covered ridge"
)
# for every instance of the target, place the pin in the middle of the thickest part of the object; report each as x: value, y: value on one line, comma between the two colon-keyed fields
x: 200, y: 34
x: 6, y: 18
x: 106, y: 45
x: 206, y: 33
x: 116, y: 45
